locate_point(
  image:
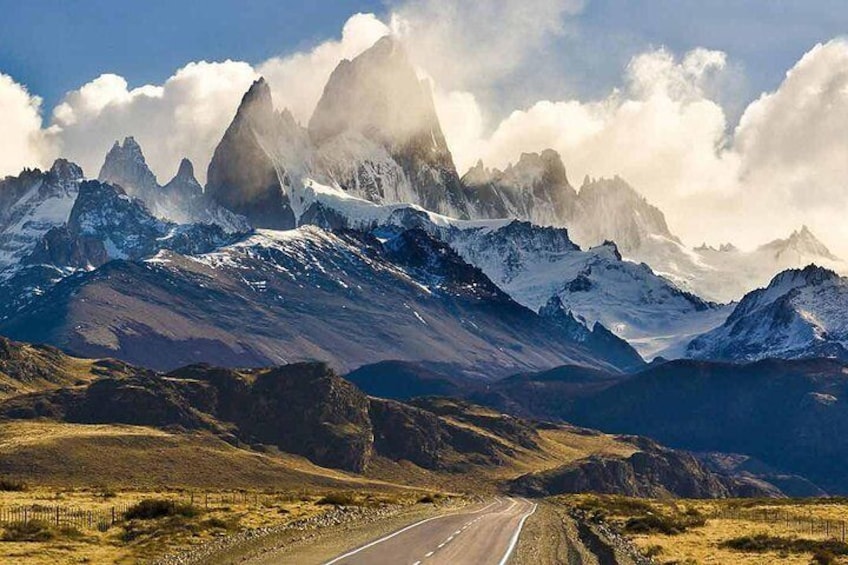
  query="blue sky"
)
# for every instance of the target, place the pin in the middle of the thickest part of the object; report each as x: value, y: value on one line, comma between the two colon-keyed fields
x: 53, y: 47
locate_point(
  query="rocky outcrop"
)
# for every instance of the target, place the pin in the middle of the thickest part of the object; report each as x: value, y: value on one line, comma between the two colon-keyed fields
x: 302, y: 408
x: 651, y: 472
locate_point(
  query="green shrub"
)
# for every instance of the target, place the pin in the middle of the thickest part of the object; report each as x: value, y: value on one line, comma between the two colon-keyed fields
x: 153, y: 508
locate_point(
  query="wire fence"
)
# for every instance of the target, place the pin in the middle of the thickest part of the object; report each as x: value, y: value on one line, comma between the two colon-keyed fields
x: 105, y: 517
x: 808, y: 526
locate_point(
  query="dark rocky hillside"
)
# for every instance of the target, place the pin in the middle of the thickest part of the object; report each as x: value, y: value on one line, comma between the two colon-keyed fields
x: 652, y: 472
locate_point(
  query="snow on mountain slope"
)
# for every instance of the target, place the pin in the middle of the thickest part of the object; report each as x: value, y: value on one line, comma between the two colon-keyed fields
x: 30, y: 205
x: 537, y: 189
x: 274, y: 297
x: 727, y: 273
x: 801, y: 313
x: 533, y: 264
x: 104, y: 224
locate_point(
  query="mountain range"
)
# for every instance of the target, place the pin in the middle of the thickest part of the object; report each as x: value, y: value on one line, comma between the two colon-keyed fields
x: 362, y: 175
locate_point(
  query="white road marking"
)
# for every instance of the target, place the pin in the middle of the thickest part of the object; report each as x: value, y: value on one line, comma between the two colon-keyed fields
x: 514, y: 541
x: 407, y: 528
x: 429, y: 554
x: 381, y: 540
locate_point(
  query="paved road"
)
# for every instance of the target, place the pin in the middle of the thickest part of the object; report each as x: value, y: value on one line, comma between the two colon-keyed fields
x: 485, y: 535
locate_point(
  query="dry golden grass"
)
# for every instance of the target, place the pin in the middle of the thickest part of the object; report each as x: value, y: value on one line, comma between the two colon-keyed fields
x: 557, y: 447
x: 129, y: 542
x: 725, y: 520
x: 123, y: 456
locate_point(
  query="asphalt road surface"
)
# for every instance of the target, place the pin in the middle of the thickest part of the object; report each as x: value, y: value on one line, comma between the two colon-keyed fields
x: 485, y: 535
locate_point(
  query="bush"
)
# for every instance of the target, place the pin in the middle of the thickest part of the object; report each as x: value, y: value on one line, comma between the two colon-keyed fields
x: 824, y: 557
x: 762, y: 543
x: 34, y: 530
x: 153, y: 508
x: 221, y: 524
x: 618, y: 505
x: 12, y: 486
x: 339, y: 499
x: 668, y: 525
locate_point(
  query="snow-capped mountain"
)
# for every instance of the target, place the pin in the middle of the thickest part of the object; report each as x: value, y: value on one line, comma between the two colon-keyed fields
x: 104, y: 224
x: 727, y: 273
x: 348, y: 298
x: 801, y: 313
x: 533, y: 264
x: 181, y: 200
x: 375, y: 108
x: 537, y: 189
x: 30, y: 205
x: 374, y: 134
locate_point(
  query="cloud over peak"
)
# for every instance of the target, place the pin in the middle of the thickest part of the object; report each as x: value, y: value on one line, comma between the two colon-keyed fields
x: 666, y: 128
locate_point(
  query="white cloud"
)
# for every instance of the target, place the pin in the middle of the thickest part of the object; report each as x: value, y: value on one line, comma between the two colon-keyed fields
x: 468, y: 45
x: 184, y: 117
x: 784, y: 165
x: 298, y: 80
x: 23, y: 143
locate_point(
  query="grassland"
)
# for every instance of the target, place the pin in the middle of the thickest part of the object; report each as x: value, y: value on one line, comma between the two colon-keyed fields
x: 183, y: 526
x: 743, y: 532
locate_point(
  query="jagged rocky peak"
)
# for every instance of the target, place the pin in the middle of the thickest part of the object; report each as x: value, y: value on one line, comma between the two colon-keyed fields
x: 243, y: 173
x: 811, y: 275
x: 611, y: 209
x: 64, y: 171
x: 125, y: 165
x: 535, y: 188
x: 377, y: 134
x: 801, y: 243
x: 479, y: 174
x: 378, y: 94
x: 184, y: 182
x: 546, y: 167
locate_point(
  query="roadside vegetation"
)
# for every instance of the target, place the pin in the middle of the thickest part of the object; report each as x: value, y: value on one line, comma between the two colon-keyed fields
x: 738, y: 531
x: 152, y: 524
